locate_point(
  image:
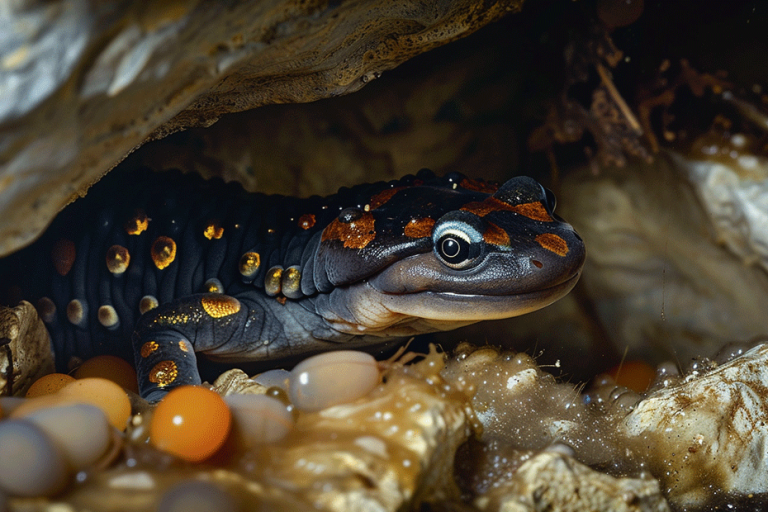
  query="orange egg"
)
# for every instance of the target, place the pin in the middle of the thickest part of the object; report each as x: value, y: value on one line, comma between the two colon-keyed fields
x: 104, y: 394
x: 191, y: 422
x: 112, y: 368
x: 49, y: 384
x: 635, y: 375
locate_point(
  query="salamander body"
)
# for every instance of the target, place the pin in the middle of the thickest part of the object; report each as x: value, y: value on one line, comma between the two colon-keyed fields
x: 156, y: 267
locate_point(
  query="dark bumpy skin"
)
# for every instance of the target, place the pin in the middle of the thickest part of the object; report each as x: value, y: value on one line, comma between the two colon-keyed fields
x: 244, y: 277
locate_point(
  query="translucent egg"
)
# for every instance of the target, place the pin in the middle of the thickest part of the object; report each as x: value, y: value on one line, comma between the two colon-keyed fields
x: 30, y: 462
x: 104, y: 394
x: 635, y: 375
x: 81, y: 431
x: 49, y: 384
x: 332, y: 378
x: 258, y: 419
x: 116, y: 369
x: 273, y: 378
x: 197, y: 496
x: 191, y: 422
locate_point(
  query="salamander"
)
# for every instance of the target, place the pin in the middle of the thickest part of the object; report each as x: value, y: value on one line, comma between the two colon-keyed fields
x: 156, y: 267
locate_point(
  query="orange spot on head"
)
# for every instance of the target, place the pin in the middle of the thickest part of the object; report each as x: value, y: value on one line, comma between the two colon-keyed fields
x: 213, y: 230
x: 306, y: 221
x: 355, y: 234
x: 184, y: 346
x: 495, y: 235
x: 554, y: 243
x: 137, y: 224
x: 63, y: 256
x: 163, y: 373
x: 535, y: 211
x: 383, y: 196
x: 163, y: 251
x: 419, y: 228
x: 148, y: 347
x: 487, y: 187
x: 118, y: 259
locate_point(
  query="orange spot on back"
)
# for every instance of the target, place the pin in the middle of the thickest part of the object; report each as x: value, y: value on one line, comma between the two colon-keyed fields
x: 355, y: 235
x: 306, y: 221
x: 383, y: 196
x: 63, y: 256
x: 213, y: 230
x: 163, y: 251
x: 419, y: 228
x: 496, y: 236
x: 554, y: 243
x: 137, y: 224
x: 487, y: 187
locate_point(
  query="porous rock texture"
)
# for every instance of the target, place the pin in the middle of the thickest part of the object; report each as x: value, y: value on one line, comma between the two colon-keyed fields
x: 83, y: 83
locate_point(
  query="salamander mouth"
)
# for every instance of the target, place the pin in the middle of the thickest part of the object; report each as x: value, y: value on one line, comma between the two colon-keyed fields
x: 458, y: 307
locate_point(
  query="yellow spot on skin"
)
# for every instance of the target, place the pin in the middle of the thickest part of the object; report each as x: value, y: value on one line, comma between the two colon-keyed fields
x: 75, y: 311
x: 46, y: 309
x: 249, y: 263
x: 219, y: 306
x: 554, y: 243
x: 290, y: 282
x: 535, y: 211
x: 184, y: 346
x: 306, y: 221
x: 108, y: 316
x: 282, y: 300
x: 163, y: 373
x: 148, y: 348
x: 355, y: 235
x: 163, y: 251
x: 213, y: 230
x: 137, y: 224
x: 419, y: 228
x: 213, y: 286
x: 495, y: 235
x: 63, y: 256
x: 147, y: 302
x: 118, y: 259
x: 273, y: 281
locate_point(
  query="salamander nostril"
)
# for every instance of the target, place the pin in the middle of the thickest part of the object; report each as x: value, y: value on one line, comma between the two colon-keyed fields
x: 537, y: 263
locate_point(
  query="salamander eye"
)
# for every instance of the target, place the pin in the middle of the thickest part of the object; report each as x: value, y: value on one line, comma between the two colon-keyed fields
x: 453, y: 248
x: 457, y: 240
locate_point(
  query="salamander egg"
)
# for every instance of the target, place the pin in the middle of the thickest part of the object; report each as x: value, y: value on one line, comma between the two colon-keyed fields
x: 104, y: 394
x: 332, y: 378
x: 191, y: 422
x: 113, y: 368
x: 196, y: 496
x: 49, y: 384
x: 258, y: 419
x: 81, y: 431
x: 30, y: 463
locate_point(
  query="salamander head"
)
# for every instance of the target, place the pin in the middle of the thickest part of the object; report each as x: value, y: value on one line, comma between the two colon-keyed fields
x: 444, y: 253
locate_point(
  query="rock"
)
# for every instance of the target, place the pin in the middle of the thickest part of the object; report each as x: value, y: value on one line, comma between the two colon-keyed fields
x: 83, y: 84
x: 25, y: 349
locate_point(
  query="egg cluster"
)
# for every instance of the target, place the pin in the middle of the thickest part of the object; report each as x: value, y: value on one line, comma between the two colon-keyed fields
x: 67, y: 426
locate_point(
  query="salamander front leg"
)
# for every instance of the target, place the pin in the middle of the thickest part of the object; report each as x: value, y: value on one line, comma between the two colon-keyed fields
x: 167, y: 337
x: 164, y: 359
